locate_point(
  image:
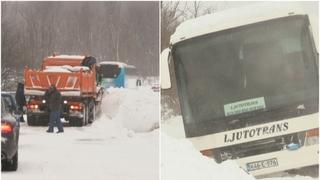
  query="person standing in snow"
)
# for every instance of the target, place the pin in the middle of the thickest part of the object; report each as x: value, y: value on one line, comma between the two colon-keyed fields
x: 20, y: 99
x: 53, y: 98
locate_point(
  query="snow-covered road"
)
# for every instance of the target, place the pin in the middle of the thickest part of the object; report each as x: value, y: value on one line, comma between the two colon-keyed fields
x: 110, y: 148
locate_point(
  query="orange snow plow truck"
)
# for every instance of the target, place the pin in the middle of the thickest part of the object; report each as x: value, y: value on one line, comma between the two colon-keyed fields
x: 76, y: 79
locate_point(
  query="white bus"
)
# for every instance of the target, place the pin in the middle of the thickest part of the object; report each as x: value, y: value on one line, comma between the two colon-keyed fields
x: 247, y: 81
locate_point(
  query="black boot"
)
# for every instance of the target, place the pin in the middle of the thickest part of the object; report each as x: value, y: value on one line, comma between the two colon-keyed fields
x: 60, y: 131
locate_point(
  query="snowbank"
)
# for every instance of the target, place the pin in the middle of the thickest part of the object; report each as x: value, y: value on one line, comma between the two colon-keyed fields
x: 173, y: 127
x: 139, y: 110
x: 179, y: 160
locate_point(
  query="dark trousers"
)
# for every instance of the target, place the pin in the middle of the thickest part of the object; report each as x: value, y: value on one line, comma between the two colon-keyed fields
x: 55, y: 120
x: 20, y: 108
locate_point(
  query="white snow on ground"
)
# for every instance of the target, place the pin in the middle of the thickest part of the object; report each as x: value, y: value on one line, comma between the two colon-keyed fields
x: 173, y: 127
x: 103, y: 150
x: 180, y: 160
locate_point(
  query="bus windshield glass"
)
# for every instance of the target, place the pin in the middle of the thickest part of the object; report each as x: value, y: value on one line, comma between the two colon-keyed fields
x: 245, y: 70
x: 110, y: 70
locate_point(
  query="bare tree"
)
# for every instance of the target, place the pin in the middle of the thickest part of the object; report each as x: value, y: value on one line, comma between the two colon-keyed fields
x: 172, y: 14
x: 120, y: 31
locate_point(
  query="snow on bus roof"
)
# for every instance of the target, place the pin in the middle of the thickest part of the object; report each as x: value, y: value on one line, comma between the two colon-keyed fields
x: 245, y: 15
x: 120, y: 64
x: 67, y: 57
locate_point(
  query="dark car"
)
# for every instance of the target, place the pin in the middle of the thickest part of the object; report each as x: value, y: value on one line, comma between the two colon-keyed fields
x: 10, y: 98
x: 10, y: 128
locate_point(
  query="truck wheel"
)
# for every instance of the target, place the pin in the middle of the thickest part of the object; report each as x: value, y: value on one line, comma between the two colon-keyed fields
x: 31, y: 120
x: 43, y: 120
x: 12, y: 165
x: 84, y: 120
x: 86, y: 117
x: 92, y: 116
x: 73, y: 121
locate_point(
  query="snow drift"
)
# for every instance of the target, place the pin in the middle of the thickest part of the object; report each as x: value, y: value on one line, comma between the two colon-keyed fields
x: 181, y: 161
x: 139, y: 110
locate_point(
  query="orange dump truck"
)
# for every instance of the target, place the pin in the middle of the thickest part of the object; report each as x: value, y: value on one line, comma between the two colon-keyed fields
x: 75, y: 78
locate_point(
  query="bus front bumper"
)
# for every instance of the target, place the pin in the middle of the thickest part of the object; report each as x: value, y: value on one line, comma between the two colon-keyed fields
x: 280, y: 161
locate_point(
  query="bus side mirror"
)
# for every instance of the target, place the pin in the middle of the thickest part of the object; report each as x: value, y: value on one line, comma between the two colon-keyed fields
x: 164, y: 66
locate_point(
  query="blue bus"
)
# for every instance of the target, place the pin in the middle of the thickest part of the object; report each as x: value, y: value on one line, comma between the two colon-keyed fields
x: 117, y: 74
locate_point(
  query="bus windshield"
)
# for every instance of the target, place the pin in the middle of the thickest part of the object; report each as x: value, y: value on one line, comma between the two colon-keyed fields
x: 246, y: 70
x: 110, y: 70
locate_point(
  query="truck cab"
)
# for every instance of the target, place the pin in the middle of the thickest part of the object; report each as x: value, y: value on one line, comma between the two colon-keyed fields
x: 247, y: 81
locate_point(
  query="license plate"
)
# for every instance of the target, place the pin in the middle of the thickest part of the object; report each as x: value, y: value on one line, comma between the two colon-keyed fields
x: 252, y: 166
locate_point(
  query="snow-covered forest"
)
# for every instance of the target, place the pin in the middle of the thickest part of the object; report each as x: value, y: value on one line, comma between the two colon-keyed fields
x: 110, y: 31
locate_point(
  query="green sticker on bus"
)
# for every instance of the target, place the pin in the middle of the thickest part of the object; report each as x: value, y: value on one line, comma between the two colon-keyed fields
x: 244, y: 106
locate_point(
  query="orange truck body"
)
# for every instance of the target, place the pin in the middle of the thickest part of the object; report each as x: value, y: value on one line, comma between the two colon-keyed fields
x: 80, y: 83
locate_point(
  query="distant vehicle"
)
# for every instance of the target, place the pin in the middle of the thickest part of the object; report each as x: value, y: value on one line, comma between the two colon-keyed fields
x: 155, y: 87
x: 247, y: 80
x: 10, y: 98
x: 75, y: 78
x: 118, y: 74
x: 10, y: 128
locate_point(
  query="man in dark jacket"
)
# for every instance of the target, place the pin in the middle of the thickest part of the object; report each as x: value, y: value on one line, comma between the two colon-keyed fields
x: 53, y: 97
x: 20, y: 98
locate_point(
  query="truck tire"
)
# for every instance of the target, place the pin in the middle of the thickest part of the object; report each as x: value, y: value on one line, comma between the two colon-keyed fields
x: 84, y: 120
x: 86, y: 117
x: 72, y: 121
x: 92, y: 113
x: 41, y: 120
x: 79, y: 122
x: 31, y: 121
x: 12, y: 165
